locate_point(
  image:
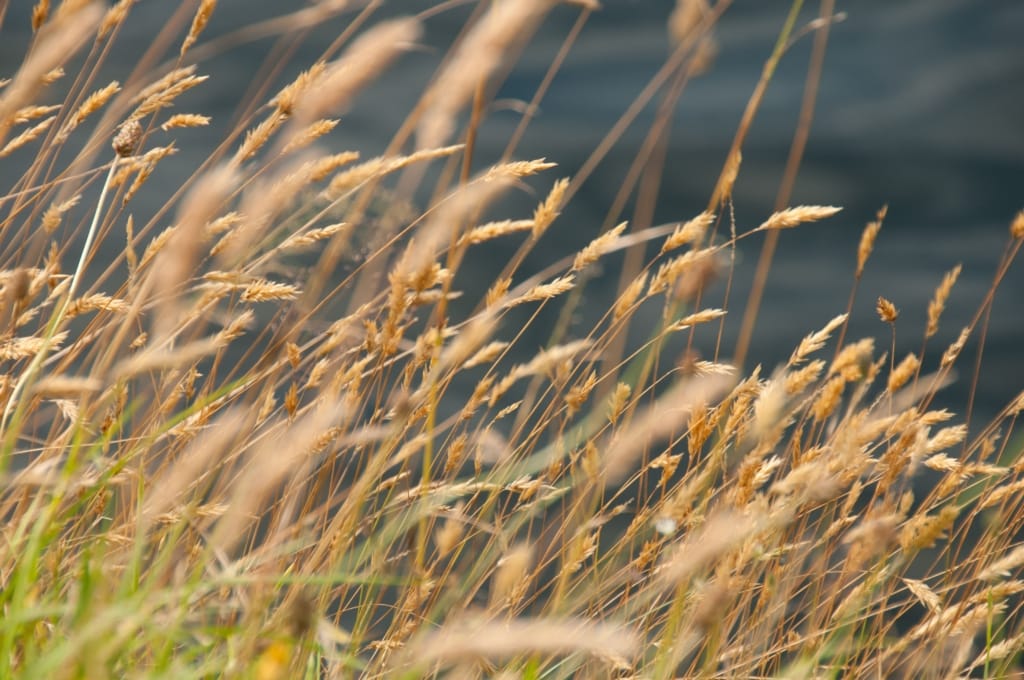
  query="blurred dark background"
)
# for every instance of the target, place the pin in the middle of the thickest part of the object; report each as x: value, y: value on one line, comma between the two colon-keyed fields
x: 921, y: 107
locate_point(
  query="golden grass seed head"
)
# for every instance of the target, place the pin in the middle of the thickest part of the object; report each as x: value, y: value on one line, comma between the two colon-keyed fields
x: 486, y: 354
x: 52, y: 216
x: 986, y: 470
x: 165, y: 83
x: 291, y: 400
x: 988, y: 445
x: 731, y: 170
x: 1000, y: 494
x: 322, y: 167
x: 286, y: 100
x: 997, y: 592
x: 378, y: 167
x: 1001, y: 568
x: 667, y: 463
x: 924, y: 594
x: 40, y: 13
x: 126, y: 141
x: 1017, y: 226
x: 294, y: 354
x: 149, y: 159
x: 792, y: 217
x: 867, y: 240
x: 140, y: 179
x: 696, y: 319
x: 301, y: 240
x: 263, y: 290
x: 185, y: 120
x: 199, y: 21
x: 938, y: 301
x: 497, y: 291
x: 929, y: 418
x: 309, y: 134
x: 256, y: 138
x: 162, y: 93
x: 579, y: 392
x: 769, y: 409
x: 96, y: 302
x: 138, y: 342
x: 492, y: 230
x: 1000, y: 650
x: 691, y: 232
x: 114, y: 16
x: 92, y: 103
x: 27, y: 136
x: 887, y: 311
x: 703, y: 421
x: 448, y: 536
x: 598, y: 247
x: 904, y: 421
x: 853, y: 360
x: 30, y: 113
x: 815, y: 341
x: 873, y: 535
x: 18, y: 285
x: 515, y: 170
x: 946, y: 438
x: 481, y: 391
x: 740, y: 411
x: 23, y: 347
x: 828, y: 399
x: 511, y: 577
x: 903, y: 372
x: 670, y: 272
x: 53, y: 75
x: 649, y: 552
x: 924, y: 531
x: 797, y: 381
x: 618, y: 401
x: 624, y: 304
x: 544, y: 291
x: 581, y: 548
x: 692, y: 281
x: 547, y: 211
x: 953, y: 351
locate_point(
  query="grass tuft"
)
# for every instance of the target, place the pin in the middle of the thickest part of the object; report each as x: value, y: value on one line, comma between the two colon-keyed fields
x: 279, y: 426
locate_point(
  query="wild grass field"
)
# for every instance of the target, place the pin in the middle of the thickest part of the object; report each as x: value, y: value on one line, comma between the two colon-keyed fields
x: 283, y: 434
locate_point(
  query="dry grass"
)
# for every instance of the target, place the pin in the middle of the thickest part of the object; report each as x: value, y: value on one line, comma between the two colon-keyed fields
x: 225, y: 455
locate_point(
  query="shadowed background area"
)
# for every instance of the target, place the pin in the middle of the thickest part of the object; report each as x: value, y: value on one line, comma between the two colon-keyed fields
x: 919, y: 109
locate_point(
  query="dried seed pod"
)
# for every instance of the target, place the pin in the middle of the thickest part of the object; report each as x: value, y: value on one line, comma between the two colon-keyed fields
x: 127, y: 139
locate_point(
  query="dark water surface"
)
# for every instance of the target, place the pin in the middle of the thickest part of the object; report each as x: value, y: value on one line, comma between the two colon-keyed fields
x: 921, y: 107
